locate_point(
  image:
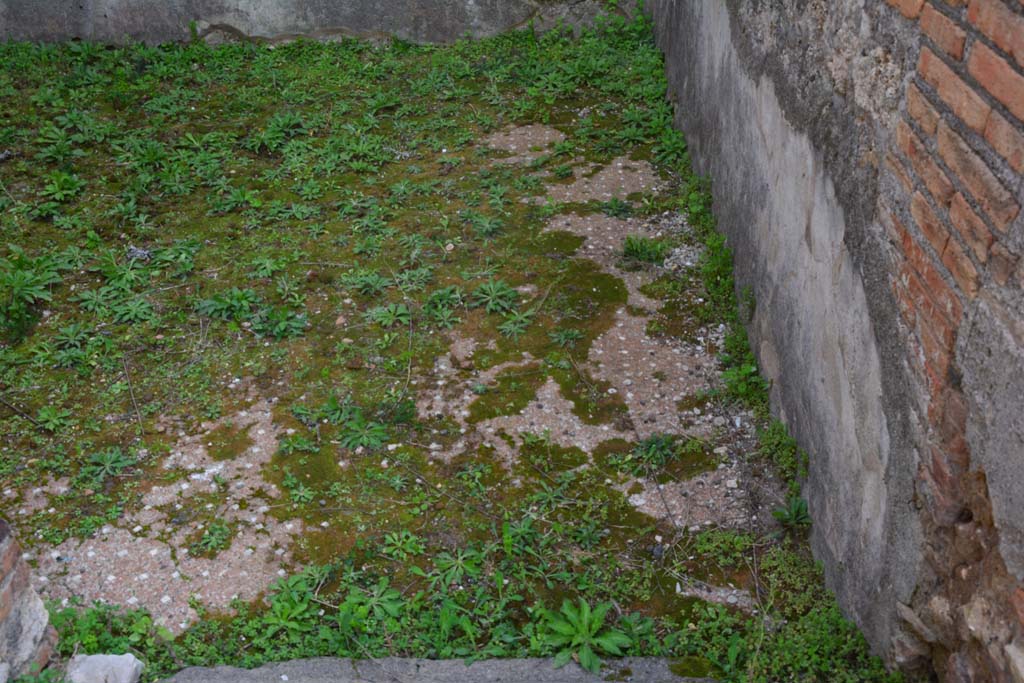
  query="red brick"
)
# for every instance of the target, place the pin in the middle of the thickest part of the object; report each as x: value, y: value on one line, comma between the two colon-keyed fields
x: 917, y: 295
x: 903, y: 299
x: 969, y: 106
x: 1006, y: 140
x: 1002, y: 263
x: 921, y: 110
x: 997, y: 76
x: 937, y: 356
x: 938, y: 334
x: 929, y: 172
x: 974, y: 231
x: 990, y: 194
x: 961, y: 268
x: 935, y: 288
x: 943, y: 31
x: 908, y: 8
x: 930, y: 224
x: 934, y: 178
x: 928, y: 315
x: 903, y: 239
x: 942, y: 294
x: 1001, y: 24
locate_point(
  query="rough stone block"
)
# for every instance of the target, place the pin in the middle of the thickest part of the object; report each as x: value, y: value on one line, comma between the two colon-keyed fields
x: 124, y: 668
x: 1015, y: 658
x: 995, y: 424
x: 26, y: 638
x: 157, y: 21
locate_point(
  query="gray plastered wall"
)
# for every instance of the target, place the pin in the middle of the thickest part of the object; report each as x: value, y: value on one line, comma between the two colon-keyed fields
x: 156, y: 21
x: 773, y: 97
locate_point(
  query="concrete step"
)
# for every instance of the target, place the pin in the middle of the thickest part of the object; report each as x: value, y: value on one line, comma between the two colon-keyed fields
x: 398, y: 670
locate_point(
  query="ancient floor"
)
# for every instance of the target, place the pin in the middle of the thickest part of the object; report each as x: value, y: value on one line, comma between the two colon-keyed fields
x: 372, y: 351
x: 142, y: 559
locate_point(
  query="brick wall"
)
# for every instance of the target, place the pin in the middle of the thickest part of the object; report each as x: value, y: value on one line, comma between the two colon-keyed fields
x: 26, y: 638
x: 956, y: 235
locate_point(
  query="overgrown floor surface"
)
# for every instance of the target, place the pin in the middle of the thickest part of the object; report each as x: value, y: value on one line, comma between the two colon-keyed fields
x: 355, y: 350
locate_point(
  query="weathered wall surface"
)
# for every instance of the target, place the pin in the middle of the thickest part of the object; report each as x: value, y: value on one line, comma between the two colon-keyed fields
x: 155, y: 21
x: 866, y: 156
x: 26, y: 638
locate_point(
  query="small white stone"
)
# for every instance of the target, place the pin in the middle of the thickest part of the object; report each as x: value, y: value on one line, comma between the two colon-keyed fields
x: 109, y: 668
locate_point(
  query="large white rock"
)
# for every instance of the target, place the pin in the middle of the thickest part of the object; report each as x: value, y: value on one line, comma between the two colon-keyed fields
x: 104, y: 669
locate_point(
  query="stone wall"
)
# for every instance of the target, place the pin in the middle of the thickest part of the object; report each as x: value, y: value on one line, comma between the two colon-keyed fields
x: 26, y: 637
x: 155, y: 21
x: 867, y: 159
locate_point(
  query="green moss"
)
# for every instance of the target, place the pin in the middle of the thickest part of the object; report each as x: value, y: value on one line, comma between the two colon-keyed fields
x: 228, y: 441
x: 511, y: 392
x: 557, y: 243
x: 694, y: 667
